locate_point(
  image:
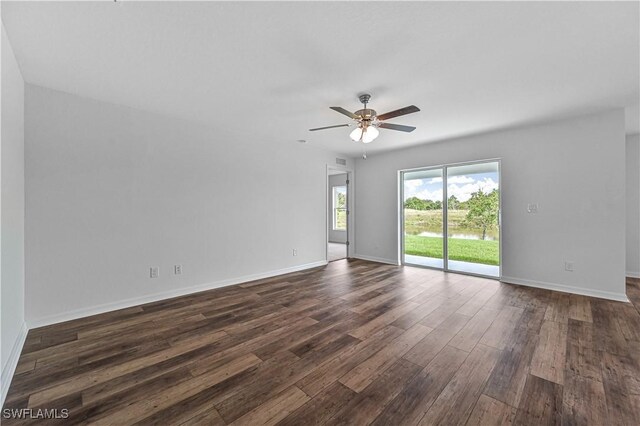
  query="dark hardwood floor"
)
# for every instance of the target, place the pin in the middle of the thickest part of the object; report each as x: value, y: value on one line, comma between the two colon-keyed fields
x: 354, y: 342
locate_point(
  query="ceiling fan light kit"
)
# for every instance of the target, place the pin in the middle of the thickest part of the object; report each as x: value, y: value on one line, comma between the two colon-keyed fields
x: 365, y: 134
x: 368, y: 121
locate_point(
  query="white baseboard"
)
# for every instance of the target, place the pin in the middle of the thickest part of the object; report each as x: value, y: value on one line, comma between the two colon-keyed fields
x: 107, y: 307
x: 12, y: 362
x: 619, y: 297
x: 633, y: 274
x: 376, y: 259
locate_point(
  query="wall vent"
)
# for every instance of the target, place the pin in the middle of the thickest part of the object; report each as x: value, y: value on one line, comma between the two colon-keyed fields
x: 341, y: 161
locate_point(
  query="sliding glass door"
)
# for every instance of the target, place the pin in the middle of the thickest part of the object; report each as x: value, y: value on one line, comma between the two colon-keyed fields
x: 451, y: 218
x: 423, y: 218
x: 473, y: 208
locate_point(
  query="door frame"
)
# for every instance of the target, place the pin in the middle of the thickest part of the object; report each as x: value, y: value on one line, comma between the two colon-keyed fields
x: 350, y: 209
x: 445, y: 205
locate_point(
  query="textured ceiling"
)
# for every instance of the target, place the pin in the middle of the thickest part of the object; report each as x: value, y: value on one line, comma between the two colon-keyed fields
x: 271, y: 70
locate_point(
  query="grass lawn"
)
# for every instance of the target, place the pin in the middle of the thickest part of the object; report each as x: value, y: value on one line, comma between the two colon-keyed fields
x: 476, y: 251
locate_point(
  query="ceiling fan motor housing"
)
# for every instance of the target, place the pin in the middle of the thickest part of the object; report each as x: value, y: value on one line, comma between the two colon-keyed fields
x: 366, y: 114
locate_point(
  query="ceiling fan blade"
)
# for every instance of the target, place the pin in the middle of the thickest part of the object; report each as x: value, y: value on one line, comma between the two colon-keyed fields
x: 328, y: 127
x: 396, y: 127
x: 399, y: 112
x: 345, y: 112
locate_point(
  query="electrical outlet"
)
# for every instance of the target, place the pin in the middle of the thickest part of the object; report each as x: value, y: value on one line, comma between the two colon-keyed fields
x: 177, y: 269
x: 568, y: 266
x: 295, y: 252
x: 154, y: 271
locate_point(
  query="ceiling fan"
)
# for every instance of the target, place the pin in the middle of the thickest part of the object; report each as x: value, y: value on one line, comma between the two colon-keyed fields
x: 368, y: 121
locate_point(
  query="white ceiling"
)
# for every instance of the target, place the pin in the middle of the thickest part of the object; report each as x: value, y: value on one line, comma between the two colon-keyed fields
x: 271, y: 70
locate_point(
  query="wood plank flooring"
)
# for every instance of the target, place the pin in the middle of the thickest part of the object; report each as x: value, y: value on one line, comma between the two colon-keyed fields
x: 355, y: 343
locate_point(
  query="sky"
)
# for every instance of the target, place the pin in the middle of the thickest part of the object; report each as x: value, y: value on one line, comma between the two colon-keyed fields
x: 460, y: 186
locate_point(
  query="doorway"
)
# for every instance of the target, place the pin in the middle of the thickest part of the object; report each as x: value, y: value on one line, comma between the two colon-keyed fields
x: 337, y: 215
x: 450, y: 218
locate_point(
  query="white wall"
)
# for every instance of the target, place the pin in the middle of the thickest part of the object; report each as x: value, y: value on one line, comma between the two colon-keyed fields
x: 335, y: 236
x: 112, y: 191
x: 12, y: 214
x: 573, y: 169
x: 633, y: 206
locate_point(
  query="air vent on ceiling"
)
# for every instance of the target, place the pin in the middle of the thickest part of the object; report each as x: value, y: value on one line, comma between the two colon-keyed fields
x: 341, y: 161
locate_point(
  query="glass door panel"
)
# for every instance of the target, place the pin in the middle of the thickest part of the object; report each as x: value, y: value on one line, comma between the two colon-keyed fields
x: 473, y: 209
x: 423, y: 218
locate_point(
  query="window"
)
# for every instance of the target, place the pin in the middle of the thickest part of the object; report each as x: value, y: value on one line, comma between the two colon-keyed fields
x: 339, y: 208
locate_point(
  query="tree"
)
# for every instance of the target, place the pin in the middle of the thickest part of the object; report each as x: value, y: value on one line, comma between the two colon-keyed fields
x: 454, y: 204
x: 414, y: 203
x: 483, y: 210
